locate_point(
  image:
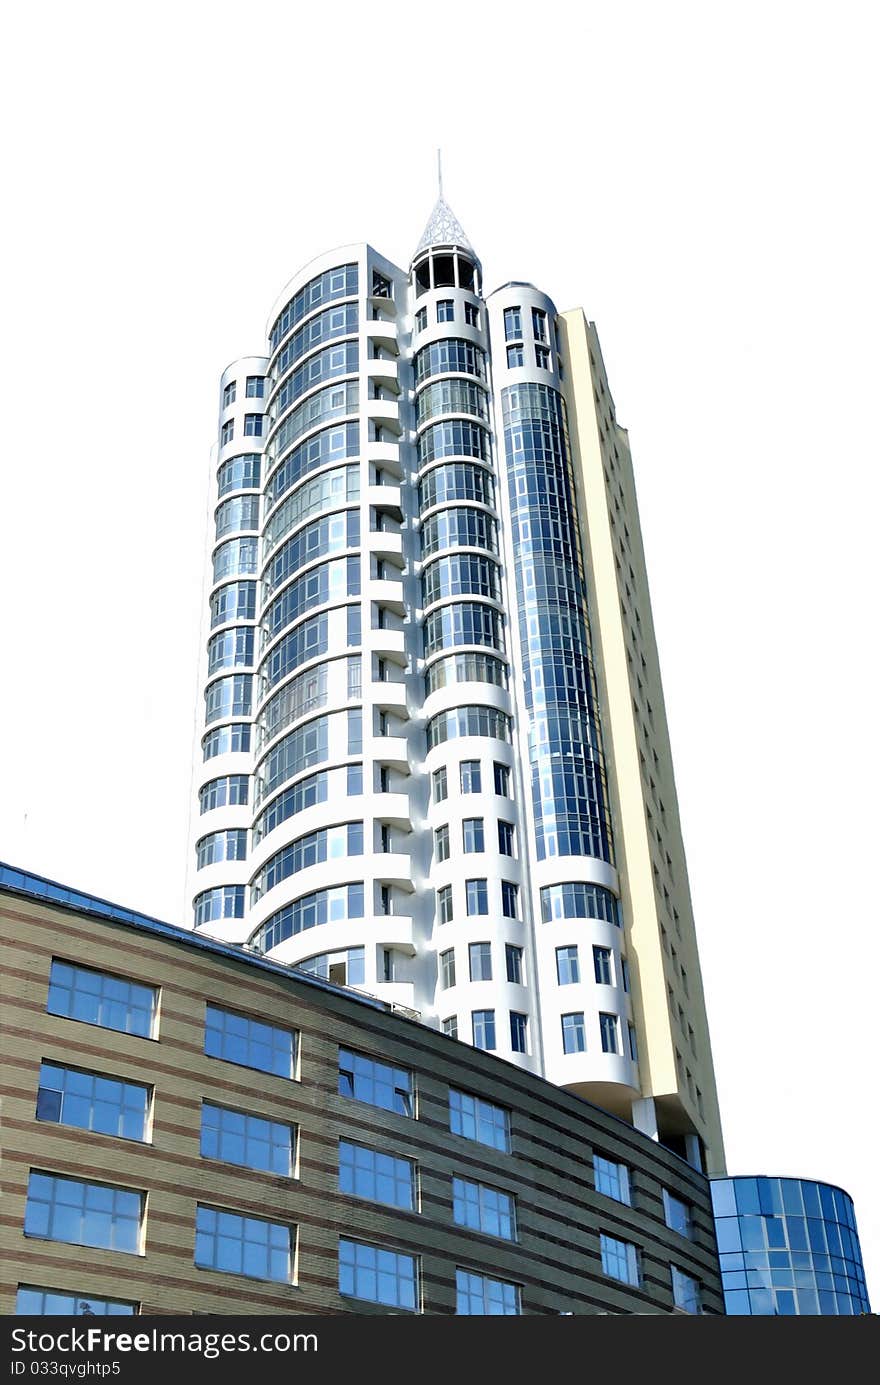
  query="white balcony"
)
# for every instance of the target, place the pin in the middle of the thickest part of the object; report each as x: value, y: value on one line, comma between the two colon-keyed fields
x: 385, y: 500
x: 387, y: 642
x: 393, y: 809
x: 391, y: 751
x: 386, y: 456
x: 382, y: 330
x: 385, y: 413
x: 390, y: 696
x: 388, y: 593
x: 393, y: 868
x: 386, y: 543
x: 384, y: 372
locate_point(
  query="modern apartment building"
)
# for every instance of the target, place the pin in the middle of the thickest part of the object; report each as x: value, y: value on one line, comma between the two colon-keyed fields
x: 434, y: 762
x: 190, y: 1128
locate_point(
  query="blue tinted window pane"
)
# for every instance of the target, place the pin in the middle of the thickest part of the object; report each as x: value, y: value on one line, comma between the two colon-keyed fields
x: 59, y: 1303
x: 723, y: 1198
x: 727, y: 1231
x: 792, y: 1202
x: 736, y: 1302
x: 747, y: 1199
x: 252, y: 1044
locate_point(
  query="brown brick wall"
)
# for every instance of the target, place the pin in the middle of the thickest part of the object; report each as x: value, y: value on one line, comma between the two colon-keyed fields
x: 559, y: 1215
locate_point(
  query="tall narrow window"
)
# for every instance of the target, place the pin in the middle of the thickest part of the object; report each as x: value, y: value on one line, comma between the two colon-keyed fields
x: 483, y: 1028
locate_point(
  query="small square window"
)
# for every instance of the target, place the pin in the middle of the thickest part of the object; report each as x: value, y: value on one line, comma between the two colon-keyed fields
x: 515, y: 356
x: 450, y: 1027
x: 445, y: 310
x: 542, y: 358
x: 256, y: 384
x: 253, y: 425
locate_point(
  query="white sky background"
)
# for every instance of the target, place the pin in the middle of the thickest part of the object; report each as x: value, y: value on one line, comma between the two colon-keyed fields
x: 703, y: 180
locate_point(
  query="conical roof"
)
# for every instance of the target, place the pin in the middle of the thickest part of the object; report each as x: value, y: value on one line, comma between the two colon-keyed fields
x: 443, y: 228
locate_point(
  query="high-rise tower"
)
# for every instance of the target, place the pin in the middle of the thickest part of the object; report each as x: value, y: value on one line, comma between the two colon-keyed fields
x: 434, y: 761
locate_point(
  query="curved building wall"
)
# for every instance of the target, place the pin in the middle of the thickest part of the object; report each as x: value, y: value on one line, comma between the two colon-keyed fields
x: 788, y: 1246
x: 321, y: 1126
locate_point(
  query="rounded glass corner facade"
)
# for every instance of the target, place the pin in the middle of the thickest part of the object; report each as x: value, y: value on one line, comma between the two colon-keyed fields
x: 788, y: 1247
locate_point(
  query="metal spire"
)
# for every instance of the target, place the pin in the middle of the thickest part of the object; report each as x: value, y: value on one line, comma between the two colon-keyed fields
x: 443, y: 226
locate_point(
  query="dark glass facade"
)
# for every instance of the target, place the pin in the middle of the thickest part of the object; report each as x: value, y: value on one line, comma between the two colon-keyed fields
x: 788, y: 1246
x: 567, y: 774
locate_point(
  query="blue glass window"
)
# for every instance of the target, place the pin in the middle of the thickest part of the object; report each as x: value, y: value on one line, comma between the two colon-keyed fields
x: 472, y: 835
x: 612, y: 1179
x: 478, y: 1294
x: 369, y: 1173
x: 309, y: 911
x: 477, y: 896
x: 236, y: 1244
x: 620, y: 1260
x: 378, y: 1084
x: 59, y: 1303
x: 479, y: 1120
x: 227, y: 740
x: 252, y: 1141
x: 574, y: 1034
x: 96, y: 997
x: 239, y: 474
x: 92, y: 1101
x: 83, y: 1214
x: 483, y: 1025
x: 230, y: 845
x: 221, y: 902
x: 250, y: 1043
x: 567, y: 968
x: 483, y: 1209
x: 228, y: 789
x: 237, y: 601
x: 378, y: 1276
x: 519, y: 1032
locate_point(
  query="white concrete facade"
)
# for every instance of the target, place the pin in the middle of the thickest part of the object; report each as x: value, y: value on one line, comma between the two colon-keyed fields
x: 401, y: 780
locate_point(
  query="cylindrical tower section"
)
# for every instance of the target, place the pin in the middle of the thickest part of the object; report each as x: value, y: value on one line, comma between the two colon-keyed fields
x: 788, y: 1246
x: 474, y: 833
x: 573, y: 904
x: 224, y: 755
x: 326, y: 875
